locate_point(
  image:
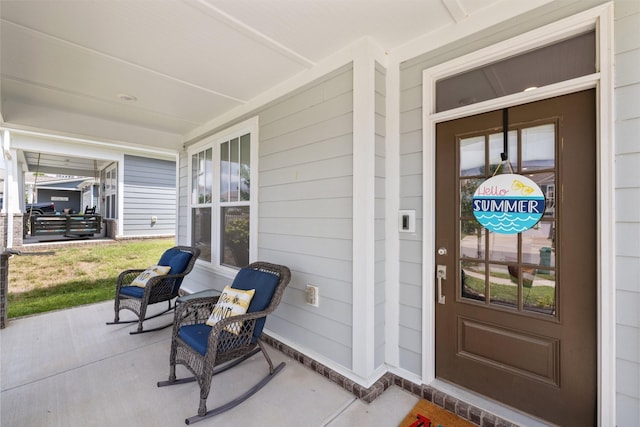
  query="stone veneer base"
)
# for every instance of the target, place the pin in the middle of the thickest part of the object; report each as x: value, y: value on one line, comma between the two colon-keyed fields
x: 462, y: 409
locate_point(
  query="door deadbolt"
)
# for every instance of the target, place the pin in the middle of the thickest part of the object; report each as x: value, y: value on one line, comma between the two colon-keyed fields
x: 442, y: 251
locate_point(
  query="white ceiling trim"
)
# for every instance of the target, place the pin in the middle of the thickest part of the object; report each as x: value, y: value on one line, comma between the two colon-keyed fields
x: 250, y: 32
x: 41, y: 141
x: 456, y: 10
x: 476, y: 22
x: 323, y: 67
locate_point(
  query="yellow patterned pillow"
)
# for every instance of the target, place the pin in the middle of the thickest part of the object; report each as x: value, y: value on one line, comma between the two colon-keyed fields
x: 153, y: 271
x: 232, y: 302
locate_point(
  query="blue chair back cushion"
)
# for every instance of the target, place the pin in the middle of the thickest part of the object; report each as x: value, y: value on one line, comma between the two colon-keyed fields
x: 132, y: 291
x: 178, y: 261
x: 265, y: 285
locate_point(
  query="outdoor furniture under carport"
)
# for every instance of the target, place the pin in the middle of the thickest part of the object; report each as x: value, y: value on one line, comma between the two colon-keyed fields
x: 70, y: 225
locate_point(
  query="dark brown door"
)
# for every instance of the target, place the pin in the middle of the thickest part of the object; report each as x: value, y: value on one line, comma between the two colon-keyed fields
x: 518, y: 323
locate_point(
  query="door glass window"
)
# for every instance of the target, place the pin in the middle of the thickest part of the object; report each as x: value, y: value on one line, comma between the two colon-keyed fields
x: 538, y: 147
x: 496, y: 147
x: 513, y: 272
x: 502, y: 289
x: 472, y: 155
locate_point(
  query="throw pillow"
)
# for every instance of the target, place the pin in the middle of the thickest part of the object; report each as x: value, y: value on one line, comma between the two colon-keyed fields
x: 265, y: 283
x: 232, y: 302
x: 153, y: 271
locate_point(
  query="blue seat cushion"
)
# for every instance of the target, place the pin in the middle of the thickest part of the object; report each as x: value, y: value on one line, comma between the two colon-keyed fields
x: 132, y: 291
x: 176, y: 259
x: 196, y: 336
x: 265, y: 285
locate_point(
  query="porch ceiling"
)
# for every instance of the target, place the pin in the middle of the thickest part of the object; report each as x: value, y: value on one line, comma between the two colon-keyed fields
x: 171, y: 66
x: 62, y: 165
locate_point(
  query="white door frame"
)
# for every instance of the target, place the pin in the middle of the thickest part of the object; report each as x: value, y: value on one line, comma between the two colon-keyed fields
x: 600, y: 19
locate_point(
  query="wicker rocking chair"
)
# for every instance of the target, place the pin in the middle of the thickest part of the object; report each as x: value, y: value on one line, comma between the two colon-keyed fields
x: 157, y: 289
x: 208, y: 350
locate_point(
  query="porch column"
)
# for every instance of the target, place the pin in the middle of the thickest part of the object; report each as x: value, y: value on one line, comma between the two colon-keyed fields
x: 364, y: 215
x: 11, y: 202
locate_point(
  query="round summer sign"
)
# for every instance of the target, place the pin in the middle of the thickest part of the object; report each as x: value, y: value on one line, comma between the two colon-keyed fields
x: 508, y: 204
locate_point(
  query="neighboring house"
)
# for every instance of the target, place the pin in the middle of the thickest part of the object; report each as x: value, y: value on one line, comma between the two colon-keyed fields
x: 355, y: 176
x: 147, y: 195
x: 137, y: 197
x: 134, y: 190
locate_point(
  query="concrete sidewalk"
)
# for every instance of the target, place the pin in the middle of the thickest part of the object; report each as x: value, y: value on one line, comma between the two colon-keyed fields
x: 68, y: 368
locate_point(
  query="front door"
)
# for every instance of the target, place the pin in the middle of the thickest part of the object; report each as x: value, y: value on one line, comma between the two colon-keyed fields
x: 518, y: 319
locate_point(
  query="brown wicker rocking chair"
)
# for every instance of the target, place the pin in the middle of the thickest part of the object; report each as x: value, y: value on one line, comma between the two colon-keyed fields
x: 160, y: 288
x: 208, y: 350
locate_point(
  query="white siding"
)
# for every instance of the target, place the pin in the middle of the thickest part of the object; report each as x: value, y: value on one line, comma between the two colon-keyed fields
x: 305, y: 211
x: 149, y: 190
x: 627, y: 110
x: 410, y: 298
x: 306, y: 181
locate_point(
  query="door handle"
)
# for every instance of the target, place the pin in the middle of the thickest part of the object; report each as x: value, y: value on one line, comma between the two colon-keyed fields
x: 441, y: 274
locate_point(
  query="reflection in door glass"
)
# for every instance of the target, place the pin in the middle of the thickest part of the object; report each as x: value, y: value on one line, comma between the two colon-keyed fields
x: 538, y: 246
x: 503, y: 247
x: 472, y: 280
x: 509, y: 271
x: 472, y: 240
x: 472, y: 156
x: 538, y: 147
x: 503, y: 289
x: 540, y: 297
x: 467, y: 189
x: 496, y: 148
x: 547, y: 183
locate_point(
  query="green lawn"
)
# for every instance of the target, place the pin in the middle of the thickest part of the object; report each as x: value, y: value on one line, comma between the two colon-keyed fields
x: 540, y: 297
x: 75, y: 276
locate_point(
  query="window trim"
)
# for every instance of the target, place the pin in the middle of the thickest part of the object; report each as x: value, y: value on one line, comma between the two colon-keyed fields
x: 111, y: 189
x: 251, y: 127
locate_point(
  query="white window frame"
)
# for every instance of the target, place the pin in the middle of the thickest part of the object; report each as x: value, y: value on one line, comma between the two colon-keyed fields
x: 601, y: 19
x: 111, y: 189
x: 249, y: 126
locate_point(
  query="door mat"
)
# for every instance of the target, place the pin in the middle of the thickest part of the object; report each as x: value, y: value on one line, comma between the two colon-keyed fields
x: 426, y: 414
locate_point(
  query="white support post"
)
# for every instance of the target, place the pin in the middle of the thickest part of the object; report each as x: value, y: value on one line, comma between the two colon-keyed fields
x: 363, y: 213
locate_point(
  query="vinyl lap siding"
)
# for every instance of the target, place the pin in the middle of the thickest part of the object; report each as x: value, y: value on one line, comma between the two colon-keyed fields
x: 305, y: 210
x: 149, y: 189
x: 410, y: 298
x: 380, y: 197
x: 627, y: 159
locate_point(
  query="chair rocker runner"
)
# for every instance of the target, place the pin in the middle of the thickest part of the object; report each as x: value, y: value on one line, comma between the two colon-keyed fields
x: 209, y: 350
x: 136, y: 289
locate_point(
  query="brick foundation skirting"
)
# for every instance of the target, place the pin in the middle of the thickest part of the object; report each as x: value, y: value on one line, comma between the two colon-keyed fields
x: 464, y: 410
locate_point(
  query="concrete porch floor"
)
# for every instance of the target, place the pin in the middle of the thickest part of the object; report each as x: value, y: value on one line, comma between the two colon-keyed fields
x: 67, y: 368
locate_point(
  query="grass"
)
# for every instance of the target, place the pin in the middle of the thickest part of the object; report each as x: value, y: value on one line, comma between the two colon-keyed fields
x: 75, y: 276
x: 542, y: 297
